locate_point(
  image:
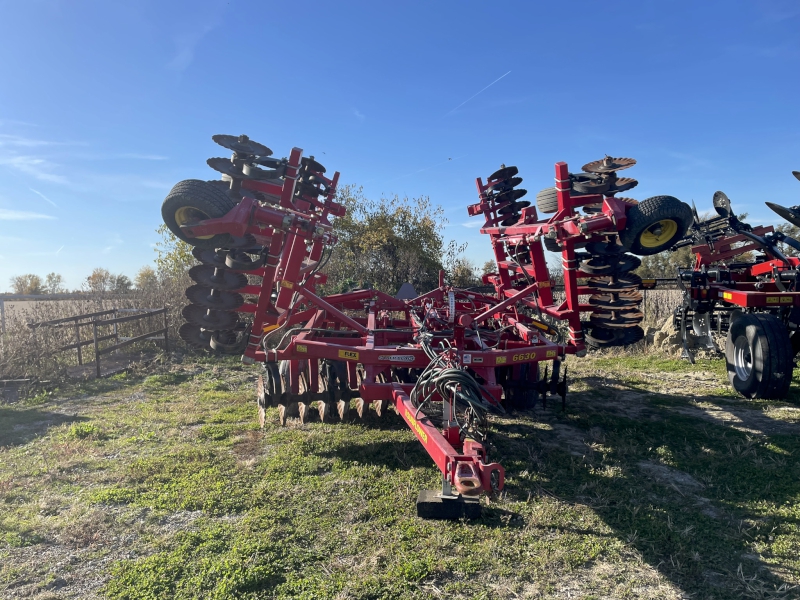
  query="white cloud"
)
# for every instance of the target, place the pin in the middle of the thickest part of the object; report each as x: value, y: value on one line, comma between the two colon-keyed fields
x: 473, y: 224
x: 358, y: 114
x: 7, y: 214
x: 7, y: 139
x: 39, y: 168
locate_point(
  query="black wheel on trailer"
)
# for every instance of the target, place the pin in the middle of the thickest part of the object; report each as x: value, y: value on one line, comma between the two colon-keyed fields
x: 759, y: 356
x: 547, y: 201
x: 655, y: 224
x: 191, y: 201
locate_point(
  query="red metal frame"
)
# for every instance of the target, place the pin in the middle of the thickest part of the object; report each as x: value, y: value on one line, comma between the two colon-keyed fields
x: 745, y: 293
x: 296, y: 228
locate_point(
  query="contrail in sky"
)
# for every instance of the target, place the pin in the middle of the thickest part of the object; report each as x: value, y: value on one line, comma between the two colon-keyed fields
x: 471, y: 97
x: 43, y: 196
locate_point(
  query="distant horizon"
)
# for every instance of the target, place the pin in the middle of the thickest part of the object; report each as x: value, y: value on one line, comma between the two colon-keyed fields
x: 111, y: 104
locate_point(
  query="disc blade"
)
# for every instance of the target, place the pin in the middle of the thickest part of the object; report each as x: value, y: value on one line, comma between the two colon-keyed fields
x: 608, y: 165
x: 606, y: 302
x: 241, y: 144
x: 219, y: 279
x: 199, y: 294
x: 505, y: 185
x: 509, y: 195
x: 514, y: 207
x: 623, y: 184
x: 629, y: 281
x: 790, y: 214
x: 796, y: 174
x: 503, y: 173
x: 207, y: 256
x: 616, y: 320
x: 226, y: 167
x: 311, y: 165
x: 195, y: 336
x: 211, y: 319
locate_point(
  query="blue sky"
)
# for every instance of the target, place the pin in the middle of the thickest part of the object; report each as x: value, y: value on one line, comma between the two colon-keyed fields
x: 105, y: 105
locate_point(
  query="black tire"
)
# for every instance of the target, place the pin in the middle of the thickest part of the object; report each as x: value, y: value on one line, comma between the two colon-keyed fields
x: 193, y: 200
x: 655, y: 225
x: 759, y: 356
x: 547, y: 201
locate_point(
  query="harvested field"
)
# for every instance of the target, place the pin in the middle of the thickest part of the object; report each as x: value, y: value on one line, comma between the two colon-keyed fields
x: 655, y: 483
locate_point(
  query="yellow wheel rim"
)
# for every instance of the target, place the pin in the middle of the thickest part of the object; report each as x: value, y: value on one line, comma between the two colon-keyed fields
x: 187, y: 215
x: 658, y: 233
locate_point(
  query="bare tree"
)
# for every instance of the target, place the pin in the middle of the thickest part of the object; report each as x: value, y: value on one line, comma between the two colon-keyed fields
x: 54, y: 284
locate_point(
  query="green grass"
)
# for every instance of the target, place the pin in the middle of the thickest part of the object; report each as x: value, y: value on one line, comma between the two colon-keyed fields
x: 163, y: 487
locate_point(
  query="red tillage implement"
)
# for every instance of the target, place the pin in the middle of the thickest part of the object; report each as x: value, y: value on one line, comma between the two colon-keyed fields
x: 444, y: 360
x: 742, y: 284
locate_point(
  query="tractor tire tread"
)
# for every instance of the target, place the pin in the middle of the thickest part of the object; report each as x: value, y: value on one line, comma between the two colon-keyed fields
x: 204, y: 196
x: 547, y: 201
x: 648, y: 211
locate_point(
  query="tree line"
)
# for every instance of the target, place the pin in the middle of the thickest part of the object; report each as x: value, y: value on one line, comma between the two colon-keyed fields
x: 382, y: 243
x: 100, y: 281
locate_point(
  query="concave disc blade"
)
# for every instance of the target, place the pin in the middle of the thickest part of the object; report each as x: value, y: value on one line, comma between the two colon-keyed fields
x: 241, y: 144
x: 510, y: 221
x: 209, y: 319
x: 226, y: 167
x: 623, y: 184
x: 616, y: 320
x: 509, y: 195
x: 796, y: 174
x: 608, y: 165
x: 624, y: 282
x: 605, y: 302
x: 199, y: 294
x: 195, y: 336
x: 628, y: 263
x: 600, y: 337
x: 311, y: 165
x: 514, y: 207
x: 219, y: 279
x: 506, y: 185
x: 503, y: 173
x: 598, y: 265
x: 611, y: 264
x: 790, y: 214
x: 207, y: 256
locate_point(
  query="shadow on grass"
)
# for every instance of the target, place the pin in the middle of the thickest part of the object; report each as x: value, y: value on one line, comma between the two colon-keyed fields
x: 696, y: 497
x: 20, y: 425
